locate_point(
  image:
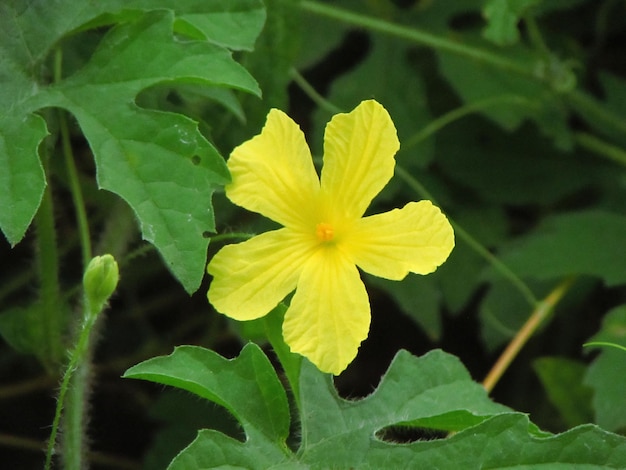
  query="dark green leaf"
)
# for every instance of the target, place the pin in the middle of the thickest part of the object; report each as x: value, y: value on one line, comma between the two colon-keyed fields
x: 589, y: 242
x: 562, y: 379
x: 606, y: 374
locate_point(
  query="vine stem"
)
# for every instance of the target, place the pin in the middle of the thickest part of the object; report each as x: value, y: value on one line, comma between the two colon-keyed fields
x: 74, y: 388
x: 417, y: 36
x: 537, y: 317
x: 72, y: 172
x: 48, y: 270
x: 79, y: 356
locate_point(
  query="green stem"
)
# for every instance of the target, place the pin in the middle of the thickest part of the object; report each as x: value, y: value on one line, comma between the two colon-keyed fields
x: 50, y: 291
x: 600, y: 147
x: 460, y: 112
x: 593, y: 111
x: 72, y: 173
x: 498, y: 265
x: 312, y: 93
x: 74, y: 386
x: 594, y: 344
x: 414, y: 35
x: 539, y: 315
x: 76, y: 191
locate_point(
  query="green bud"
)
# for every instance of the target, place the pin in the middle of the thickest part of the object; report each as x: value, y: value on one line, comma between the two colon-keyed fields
x: 100, y: 281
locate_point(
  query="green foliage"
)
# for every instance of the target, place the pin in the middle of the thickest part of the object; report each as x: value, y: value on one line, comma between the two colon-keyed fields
x: 158, y: 162
x: 502, y: 19
x: 585, y: 242
x: 563, y: 381
x: 340, y: 433
x: 605, y: 375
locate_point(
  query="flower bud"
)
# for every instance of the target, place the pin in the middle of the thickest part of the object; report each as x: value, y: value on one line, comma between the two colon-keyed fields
x: 100, y: 281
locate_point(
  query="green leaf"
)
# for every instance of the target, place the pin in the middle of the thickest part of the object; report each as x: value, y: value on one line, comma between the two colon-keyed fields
x: 502, y: 18
x: 586, y: 242
x: 158, y: 162
x: 433, y: 392
x: 606, y: 374
x: 246, y: 386
x: 563, y: 381
x: 22, y: 179
x: 504, y: 442
x: 509, y: 99
x: 514, y: 168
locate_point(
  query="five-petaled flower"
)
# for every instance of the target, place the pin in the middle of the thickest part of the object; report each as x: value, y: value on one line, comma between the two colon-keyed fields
x: 324, y: 235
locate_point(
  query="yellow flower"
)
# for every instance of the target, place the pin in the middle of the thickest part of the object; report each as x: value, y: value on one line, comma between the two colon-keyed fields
x: 324, y: 235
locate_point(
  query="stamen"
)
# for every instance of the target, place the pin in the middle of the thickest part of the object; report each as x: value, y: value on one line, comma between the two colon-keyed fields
x: 324, y: 232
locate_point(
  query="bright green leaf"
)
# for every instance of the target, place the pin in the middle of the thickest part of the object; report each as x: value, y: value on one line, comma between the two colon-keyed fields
x: 158, y: 162
x: 502, y: 442
x: 606, y: 375
x: 433, y: 392
x: 246, y: 386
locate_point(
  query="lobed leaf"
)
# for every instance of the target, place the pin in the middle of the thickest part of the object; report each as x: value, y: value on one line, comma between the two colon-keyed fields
x: 158, y: 162
x: 433, y: 392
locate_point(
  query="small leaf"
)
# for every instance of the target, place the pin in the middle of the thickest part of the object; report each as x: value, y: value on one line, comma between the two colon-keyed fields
x: 502, y: 18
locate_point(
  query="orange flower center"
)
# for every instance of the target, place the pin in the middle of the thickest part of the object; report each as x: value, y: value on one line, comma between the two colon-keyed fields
x: 324, y: 232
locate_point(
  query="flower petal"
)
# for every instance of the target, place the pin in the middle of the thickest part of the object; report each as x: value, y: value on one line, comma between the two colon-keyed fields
x: 329, y: 315
x: 251, y: 278
x: 417, y: 238
x: 359, y: 149
x: 273, y: 173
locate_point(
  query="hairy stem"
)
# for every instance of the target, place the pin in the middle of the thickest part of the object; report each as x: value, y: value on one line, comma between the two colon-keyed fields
x: 74, y: 389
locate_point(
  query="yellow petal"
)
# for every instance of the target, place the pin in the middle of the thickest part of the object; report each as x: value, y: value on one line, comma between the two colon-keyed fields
x: 417, y: 238
x: 329, y: 314
x: 273, y: 173
x: 359, y: 149
x: 251, y: 278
